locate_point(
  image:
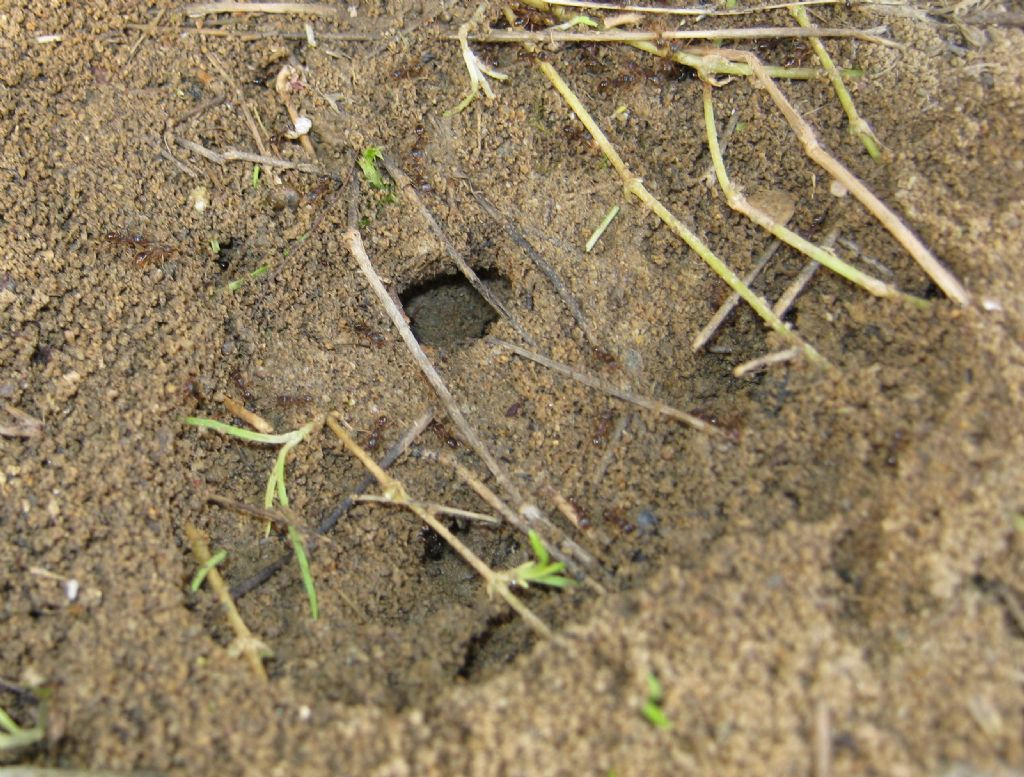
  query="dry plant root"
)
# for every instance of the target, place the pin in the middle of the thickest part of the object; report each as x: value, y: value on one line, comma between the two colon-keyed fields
x: 394, y: 492
x: 604, y: 386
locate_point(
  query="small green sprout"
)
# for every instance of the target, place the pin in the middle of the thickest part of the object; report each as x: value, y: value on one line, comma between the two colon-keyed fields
x: 236, y: 284
x: 204, y: 569
x: 368, y: 164
x: 13, y: 736
x: 255, y: 177
x: 582, y: 21
x: 540, y: 571
x: 652, y: 705
x: 275, y: 486
x: 214, y: 246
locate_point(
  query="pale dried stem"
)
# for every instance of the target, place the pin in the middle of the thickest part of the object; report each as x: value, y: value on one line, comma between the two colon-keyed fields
x: 565, y: 549
x: 243, y: 414
x: 249, y: 646
x: 702, y: 11
x: 644, y: 36
x: 233, y: 155
x: 763, y: 362
x: 403, y: 182
x: 608, y: 388
x: 299, y: 9
x: 942, y: 277
x: 785, y: 302
x: 730, y: 304
x: 434, y: 507
x: 395, y: 493
x: 738, y: 202
x: 858, y: 126
x: 634, y: 185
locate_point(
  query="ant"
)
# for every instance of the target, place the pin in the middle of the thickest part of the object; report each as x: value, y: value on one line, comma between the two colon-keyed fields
x: 444, y: 435
x: 374, y: 439
x: 146, y: 251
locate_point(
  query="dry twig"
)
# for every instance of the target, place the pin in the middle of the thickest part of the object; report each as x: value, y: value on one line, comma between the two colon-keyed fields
x: 406, y: 185
x: 393, y: 454
x: 565, y: 550
x: 395, y: 493
x: 601, y: 385
x: 299, y: 9
x: 942, y: 277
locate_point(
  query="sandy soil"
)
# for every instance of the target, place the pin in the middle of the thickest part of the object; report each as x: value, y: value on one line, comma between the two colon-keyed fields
x: 832, y: 586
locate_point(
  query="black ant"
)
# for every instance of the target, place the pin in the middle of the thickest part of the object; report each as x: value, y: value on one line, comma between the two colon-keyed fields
x: 146, y: 251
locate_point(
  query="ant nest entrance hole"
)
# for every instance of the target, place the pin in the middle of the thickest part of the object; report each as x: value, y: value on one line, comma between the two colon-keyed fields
x: 445, y: 311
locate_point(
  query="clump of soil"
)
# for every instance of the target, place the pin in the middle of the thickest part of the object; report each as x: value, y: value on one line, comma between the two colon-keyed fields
x: 832, y: 585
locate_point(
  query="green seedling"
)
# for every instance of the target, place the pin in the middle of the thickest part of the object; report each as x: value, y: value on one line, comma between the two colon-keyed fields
x: 13, y: 736
x: 275, y: 486
x: 214, y: 246
x: 255, y: 180
x: 582, y: 21
x: 235, y: 285
x: 204, y: 569
x: 540, y: 571
x: 368, y: 164
x: 652, y: 705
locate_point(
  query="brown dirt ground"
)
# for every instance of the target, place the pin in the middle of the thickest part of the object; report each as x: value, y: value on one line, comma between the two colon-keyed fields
x: 850, y: 554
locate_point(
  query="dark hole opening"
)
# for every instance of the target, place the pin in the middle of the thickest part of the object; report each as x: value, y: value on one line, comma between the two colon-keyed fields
x: 446, y: 311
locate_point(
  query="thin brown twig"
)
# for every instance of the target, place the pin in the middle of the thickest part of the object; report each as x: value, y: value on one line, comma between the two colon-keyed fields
x: 763, y: 362
x: 785, y: 302
x: 242, y: 413
x: 564, y: 550
x: 397, y: 495
x: 434, y: 507
x: 549, y: 272
x: 241, y: 102
x: 712, y: 326
x: 481, y: 489
x: 147, y: 31
x: 275, y: 517
x: 608, y: 388
x: 393, y: 454
x: 222, y: 32
x: 635, y: 36
x: 233, y: 155
x: 25, y: 425
x: 299, y: 9
x: 701, y: 11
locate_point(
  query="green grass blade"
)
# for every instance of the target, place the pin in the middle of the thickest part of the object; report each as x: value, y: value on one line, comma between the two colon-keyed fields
x: 204, y: 569
x: 237, y: 431
x: 307, y: 577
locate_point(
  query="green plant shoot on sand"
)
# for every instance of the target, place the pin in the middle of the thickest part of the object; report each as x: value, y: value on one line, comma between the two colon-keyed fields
x: 14, y: 736
x: 275, y: 486
x: 368, y: 164
x: 204, y: 569
x: 540, y: 571
x: 652, y: 704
